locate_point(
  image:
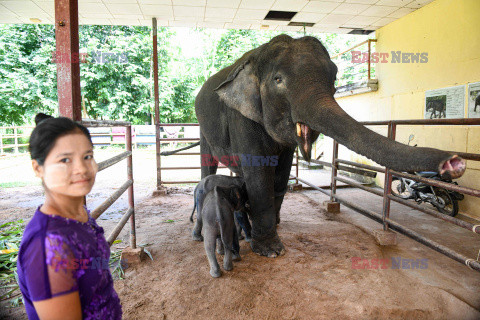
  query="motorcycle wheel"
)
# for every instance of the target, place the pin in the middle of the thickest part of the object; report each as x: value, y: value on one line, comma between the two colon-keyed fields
x: 399, y: 189
x: 451, y: 205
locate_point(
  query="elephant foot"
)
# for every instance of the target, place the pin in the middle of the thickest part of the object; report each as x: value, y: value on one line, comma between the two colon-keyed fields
x: 220, y: 250
x: 270, y: 247
x: 215, y: 273
x: 236, y: 257
x: 197, y: 237
x: 248, y: 239
x: 228, y: 266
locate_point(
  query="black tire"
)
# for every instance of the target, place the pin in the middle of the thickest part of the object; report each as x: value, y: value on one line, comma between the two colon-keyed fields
x: 399, y: 189
x: 450, y: 206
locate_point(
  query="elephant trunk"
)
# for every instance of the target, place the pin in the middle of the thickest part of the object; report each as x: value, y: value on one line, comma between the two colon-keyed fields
x: 330, y: 119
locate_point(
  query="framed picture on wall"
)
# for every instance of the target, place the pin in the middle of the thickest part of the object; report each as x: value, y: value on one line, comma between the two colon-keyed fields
x: 473, y: 100
x: 445, y: 103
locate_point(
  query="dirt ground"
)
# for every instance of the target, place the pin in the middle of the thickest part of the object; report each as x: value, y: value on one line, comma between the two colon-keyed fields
x: 315, y: 279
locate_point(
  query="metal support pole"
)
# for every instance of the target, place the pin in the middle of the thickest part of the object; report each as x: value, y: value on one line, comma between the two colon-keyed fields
x: 157, y: 106
x: 369, y: 55
x: 387, y: 189
x: 67, y: 58
x: 333, y: 184
x: 131, y: 205
x: 15, y: 136
x: 1, y: 143
x: 296, y: 169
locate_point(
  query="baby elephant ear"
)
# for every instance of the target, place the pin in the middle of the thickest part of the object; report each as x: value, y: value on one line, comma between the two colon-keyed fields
x: 240, y: 91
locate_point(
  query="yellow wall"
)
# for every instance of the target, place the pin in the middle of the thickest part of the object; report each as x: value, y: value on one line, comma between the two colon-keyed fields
x: 449, y: 30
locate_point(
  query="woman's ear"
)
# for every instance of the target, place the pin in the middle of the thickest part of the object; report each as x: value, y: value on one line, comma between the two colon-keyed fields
x: 37, y: 169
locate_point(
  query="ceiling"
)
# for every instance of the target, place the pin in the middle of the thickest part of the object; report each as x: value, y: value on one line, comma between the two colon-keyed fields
x: 336, y: 16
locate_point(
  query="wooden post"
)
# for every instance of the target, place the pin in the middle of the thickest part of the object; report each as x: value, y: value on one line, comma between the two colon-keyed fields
x: 67, y: 58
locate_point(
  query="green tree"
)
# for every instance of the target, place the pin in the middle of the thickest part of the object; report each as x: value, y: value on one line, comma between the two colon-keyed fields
x: 124, y: 89
x: 27, y: 76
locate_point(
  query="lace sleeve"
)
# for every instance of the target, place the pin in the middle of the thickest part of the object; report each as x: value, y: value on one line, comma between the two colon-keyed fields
x: 62, y: 266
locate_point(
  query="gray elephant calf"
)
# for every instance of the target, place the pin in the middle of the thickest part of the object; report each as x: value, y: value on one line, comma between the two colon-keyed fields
x: 203, y: 188
x: 218, y: 219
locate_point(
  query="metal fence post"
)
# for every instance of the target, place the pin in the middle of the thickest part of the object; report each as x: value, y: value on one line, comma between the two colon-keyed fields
x: 333, y: 185
x: 1, y: 142
x: 133, y: 237
x: 296, y: 170
x: 387, y: 189
x: 15, y: 136
x: 157, y: 103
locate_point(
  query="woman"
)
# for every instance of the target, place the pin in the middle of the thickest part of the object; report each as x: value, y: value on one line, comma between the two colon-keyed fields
x: 63, y: 259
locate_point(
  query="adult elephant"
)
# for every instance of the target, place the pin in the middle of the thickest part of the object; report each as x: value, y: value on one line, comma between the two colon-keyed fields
x: 273, y: 99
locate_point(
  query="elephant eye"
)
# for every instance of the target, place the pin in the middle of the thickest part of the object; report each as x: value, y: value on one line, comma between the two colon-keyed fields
x: 278, y: 79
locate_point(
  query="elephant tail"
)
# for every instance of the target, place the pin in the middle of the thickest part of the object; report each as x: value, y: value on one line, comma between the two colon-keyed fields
x: 168, y: 153
x: 194, y: 203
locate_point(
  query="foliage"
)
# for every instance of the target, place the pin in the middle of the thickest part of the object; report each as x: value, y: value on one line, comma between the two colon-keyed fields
x: 27, y: 79
x: 118, y: 89
x: 10, y: 237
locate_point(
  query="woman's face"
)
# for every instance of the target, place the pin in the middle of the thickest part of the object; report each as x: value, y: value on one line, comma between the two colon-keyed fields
x: 69, y: 168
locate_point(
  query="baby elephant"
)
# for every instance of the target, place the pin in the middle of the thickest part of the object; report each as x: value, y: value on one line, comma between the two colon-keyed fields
x: 203, y: 188
x: 218, y: 208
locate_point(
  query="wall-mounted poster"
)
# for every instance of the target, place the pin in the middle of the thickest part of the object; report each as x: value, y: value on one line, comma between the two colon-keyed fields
x: 445, y: 103
x: 474, y: 100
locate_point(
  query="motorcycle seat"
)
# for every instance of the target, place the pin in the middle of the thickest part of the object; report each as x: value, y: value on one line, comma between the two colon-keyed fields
x: 428, y: 174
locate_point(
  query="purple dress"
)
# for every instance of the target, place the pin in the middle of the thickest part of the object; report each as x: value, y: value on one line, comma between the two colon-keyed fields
x: 59, y: 256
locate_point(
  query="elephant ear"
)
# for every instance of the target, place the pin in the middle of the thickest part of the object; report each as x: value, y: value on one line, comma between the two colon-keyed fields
x: 240, y: 91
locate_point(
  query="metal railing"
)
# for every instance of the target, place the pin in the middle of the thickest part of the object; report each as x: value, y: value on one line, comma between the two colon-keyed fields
x: 128, y: 185
x: 358, y: 71
x: 383, y: 218
x: 15, y: 136
x: 160, y: 169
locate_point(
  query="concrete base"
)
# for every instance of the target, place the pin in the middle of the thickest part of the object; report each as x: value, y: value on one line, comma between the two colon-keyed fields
x: 385, y: 238
x: 295, y: 187
x: 160, y: 192
x: 131, y: 257
x: 332, y: 207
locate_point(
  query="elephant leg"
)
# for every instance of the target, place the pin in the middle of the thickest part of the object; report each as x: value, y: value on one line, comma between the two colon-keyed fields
x: 227, y: 241
x: 238, y: 226
x: 197, y: 230
x: 260, y: 187
x: 242, y: 219
x: 208, y: 164
x: 210, y: 242
x: 220, y: 249
x: 282, y: 174
x: 235, y: 246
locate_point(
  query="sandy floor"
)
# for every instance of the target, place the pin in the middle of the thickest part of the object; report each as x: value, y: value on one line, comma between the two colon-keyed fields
x: 315, y: 279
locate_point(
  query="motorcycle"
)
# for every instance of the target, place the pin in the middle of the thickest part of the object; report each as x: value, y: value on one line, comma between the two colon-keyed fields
x: 445, y: 201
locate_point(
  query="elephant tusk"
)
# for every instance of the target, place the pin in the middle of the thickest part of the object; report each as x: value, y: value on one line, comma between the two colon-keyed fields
x: 299, y: 130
